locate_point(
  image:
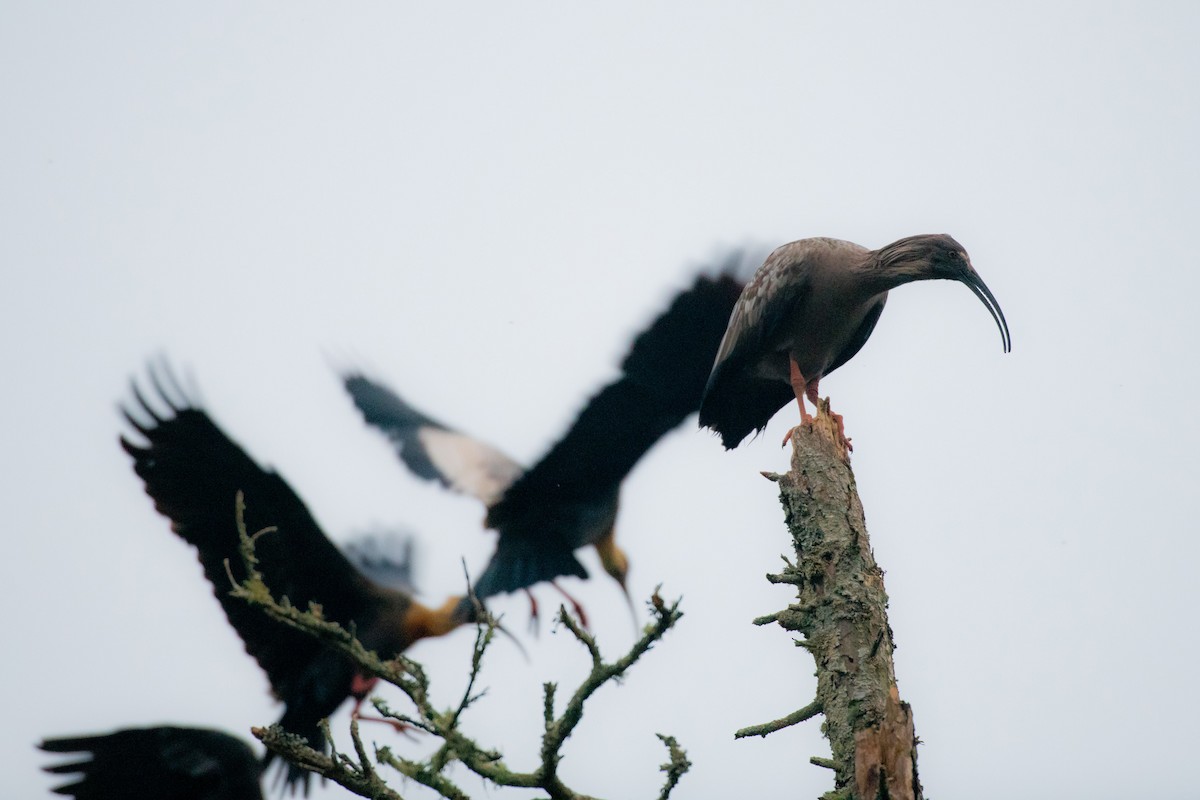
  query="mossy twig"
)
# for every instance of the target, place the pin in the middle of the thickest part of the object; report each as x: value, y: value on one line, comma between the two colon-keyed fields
x: 358, y: 774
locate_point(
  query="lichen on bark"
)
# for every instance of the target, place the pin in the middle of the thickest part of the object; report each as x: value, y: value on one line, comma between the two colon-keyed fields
x: 841, y: 609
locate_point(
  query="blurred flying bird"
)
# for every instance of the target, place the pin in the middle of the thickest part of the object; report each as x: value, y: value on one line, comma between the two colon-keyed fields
x: 385, y: 556
x: 568, y: 499
x: 193, y: 472
x: 160, y: 763
x: 809, y: 309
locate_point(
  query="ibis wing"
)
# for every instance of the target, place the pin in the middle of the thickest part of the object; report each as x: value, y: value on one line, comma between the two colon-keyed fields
x: 860, y: 336
x: 430, y: 449
x: 153, y: 763
x: 522, y: 560
x: 574, y: 486
x: 193, y: 472
x: 738, y: 398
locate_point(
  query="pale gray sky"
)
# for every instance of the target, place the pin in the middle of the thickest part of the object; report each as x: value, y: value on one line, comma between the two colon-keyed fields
x: 482, y: 202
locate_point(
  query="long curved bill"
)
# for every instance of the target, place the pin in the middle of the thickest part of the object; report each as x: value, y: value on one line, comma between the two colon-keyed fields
x: 976, y: 285
x: 501, y: 629
x: 471, y: 609
x: 632, y: 608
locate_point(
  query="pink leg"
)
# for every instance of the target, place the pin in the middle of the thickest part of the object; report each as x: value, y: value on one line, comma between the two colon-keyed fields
x: 575, y: 605
x: 799, y: 386
x: 810, y: 391
x: 360, y: 687
x: 533, y: 611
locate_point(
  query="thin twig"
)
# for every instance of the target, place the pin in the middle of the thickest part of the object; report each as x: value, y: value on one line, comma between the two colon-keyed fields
x: 360, y: 777
x: 675, y: 767
x: 808, y: 712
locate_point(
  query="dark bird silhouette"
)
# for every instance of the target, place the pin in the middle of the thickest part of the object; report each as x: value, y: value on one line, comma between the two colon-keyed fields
x: 160, y: 763
x: 193, y: 472
x: 809, y: 309
x: 568, y: 499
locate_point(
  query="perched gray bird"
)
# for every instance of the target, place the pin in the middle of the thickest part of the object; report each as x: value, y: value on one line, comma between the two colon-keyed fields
x: 809, y: 309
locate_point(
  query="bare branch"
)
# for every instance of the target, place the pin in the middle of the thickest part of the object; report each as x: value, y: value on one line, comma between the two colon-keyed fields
x: 359, y: 775
x: 841, y: 608
x: 296, y: 750
x: 675, y: 767
x: 808, y: 712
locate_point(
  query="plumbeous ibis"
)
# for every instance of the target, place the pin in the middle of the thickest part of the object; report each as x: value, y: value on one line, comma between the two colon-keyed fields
x: 193, y: 472
x: 809, y: 309
x: 160, y: 763
x: 568, y: 499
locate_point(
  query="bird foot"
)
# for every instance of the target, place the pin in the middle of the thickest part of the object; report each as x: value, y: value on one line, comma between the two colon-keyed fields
x: 534, y: 617
x: 845, y: 440
x: 576, y: 606
x: 360, y: 686
x: 581, y: 615
x: 808, y: 419
x: 402, y: 728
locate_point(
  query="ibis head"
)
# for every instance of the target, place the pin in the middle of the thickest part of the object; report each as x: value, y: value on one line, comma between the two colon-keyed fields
x: 938, y: 257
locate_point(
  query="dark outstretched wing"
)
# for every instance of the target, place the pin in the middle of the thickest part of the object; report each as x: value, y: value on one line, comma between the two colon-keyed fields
x: 157, y: 763
x: 568, y: 499
x: 736, y: 399
x: 193, y: 472
x: 429, y: 448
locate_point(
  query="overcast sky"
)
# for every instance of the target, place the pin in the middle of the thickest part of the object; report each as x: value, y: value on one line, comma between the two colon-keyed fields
x: 481, y: 203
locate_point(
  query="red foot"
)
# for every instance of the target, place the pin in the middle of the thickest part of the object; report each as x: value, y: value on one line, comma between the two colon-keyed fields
x: 575, y: 606
x: 800, y: 387
x: 842, y: 431
x: 360, y: 687
x: 806, y: 418
x: 533, y: 612
x: 399, y: 727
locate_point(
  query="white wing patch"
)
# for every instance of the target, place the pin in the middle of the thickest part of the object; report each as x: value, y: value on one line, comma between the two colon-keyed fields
x: 469, y: 465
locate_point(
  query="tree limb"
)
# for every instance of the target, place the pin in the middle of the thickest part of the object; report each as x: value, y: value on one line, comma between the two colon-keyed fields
x: 357, y: 772
x: 841, y: 608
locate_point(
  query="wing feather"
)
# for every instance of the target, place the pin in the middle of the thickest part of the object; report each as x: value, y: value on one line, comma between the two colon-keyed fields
x: 193, y: 471
x: 153, y: 763
x: 738, y: 398
x: 430, y: 449
x: 568, y: 499
x: 860, y: 336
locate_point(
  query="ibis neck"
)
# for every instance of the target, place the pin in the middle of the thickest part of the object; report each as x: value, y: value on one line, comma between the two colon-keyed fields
x: 613, y: 558
x: 880, y: 274
x: 423, y: 621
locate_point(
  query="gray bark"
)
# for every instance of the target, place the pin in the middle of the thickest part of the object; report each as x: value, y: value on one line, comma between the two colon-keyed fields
x: 841, y: 608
